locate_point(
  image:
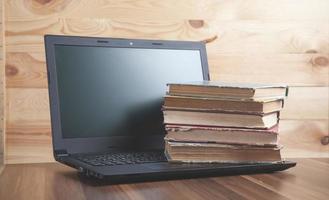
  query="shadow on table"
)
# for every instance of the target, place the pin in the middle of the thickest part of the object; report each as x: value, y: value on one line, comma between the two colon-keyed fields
x: 91, y: 181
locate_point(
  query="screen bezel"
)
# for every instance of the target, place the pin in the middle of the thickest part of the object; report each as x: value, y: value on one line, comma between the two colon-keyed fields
x: 95, y: 144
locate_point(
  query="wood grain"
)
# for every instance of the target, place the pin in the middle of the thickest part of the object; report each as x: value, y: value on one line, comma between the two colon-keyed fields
x: 276, y: 50
x: 308, y: 180
x: 169, y: 9
x: 309, y: 176
x: 2, y: 91
x: 259, y: 37
x: 25, y: 71
x: 306, y: 103
x: 23, y: 147
x: 232, y: 37
x: 19, y: 32
x: 303, y: 137
x: 27, y: 105
x: 292, y: 69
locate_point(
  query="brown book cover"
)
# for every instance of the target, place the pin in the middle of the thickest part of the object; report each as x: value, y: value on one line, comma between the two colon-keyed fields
x: 255, y: 137
x: 216, y: 104
x: 208, y: 153
x: 220, y: 119
x: 228, y: 90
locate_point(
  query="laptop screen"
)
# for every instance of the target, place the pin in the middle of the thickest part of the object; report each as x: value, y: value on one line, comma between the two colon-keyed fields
x: 111, y: 91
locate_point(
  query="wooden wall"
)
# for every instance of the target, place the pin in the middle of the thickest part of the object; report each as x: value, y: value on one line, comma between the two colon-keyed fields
x: 272, y: 41
x: 2, y: 90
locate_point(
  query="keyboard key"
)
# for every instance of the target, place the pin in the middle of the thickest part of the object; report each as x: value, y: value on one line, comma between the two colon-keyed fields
x: 111, y: 159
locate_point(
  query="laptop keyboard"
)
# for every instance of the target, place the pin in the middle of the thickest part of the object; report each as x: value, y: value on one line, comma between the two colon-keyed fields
x: 110, y: 159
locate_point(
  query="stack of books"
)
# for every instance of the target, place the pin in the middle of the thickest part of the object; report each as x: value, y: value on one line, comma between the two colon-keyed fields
x: 221, y: 122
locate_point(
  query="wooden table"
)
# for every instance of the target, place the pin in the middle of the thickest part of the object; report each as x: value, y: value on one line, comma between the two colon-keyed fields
x: 308, y: 180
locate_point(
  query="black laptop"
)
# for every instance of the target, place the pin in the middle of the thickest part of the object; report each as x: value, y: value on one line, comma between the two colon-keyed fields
x: 105, y: 98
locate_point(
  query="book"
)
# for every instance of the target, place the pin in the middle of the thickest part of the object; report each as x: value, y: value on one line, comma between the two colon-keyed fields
x: 216, y: 104
x: 228, y: 90
x: 207, y: 152
x: 254, y: 137
x: 183, y: 117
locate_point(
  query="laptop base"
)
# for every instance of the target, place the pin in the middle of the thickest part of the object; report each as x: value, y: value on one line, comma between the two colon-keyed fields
x: 170, y: 171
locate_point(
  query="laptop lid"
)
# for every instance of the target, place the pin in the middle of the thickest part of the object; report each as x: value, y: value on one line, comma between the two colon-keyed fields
x: 107, y: 93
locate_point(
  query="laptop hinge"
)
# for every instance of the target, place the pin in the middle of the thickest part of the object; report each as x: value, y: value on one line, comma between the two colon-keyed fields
x: 61, y: 153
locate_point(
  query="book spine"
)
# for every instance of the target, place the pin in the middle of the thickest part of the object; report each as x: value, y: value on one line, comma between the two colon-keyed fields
x: 164, y: 108
x: 184, y: 128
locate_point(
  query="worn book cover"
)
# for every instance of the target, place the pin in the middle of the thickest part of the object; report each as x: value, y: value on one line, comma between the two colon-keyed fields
x: 223, y: 135
x: 223, y: 153
x: 223, y: 119
x: 217, y: 104
x: 228, y: 90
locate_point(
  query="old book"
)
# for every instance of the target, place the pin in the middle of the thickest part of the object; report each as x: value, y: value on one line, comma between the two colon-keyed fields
x: 255, y: 137
x: 228, y: 90
x: 208, y: 152
x: 183, y: 117
x: 203, y: 103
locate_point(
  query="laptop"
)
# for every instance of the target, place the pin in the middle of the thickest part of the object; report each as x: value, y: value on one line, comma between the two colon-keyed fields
x: 105, y: 101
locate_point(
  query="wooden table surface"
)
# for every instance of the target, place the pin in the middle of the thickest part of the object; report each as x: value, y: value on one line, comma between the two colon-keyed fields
x: 308, y: 180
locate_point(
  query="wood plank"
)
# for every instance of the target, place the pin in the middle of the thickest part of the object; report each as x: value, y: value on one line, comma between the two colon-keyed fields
x: 228, y: 37
x: 292, y: 69
x: 24, y: 147
x: 26, y: 106
x: 321, y: 160
x: 308, y: 180
x: 240, y: 48
x: 302, y: 138
x: 2, y: 113
x: 2, y: 91
x: 24, y: 70
x: 29, y: 142
x: 289, y: 184
x: 28, y: 126
x: 269, y: 37
x: 244, y: 188
x: 27, y: 36
x: 306, y: 103
x: 170, y: 9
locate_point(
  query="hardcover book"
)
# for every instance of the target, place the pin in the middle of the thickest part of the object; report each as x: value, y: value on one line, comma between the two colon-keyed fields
x: 221, y: 119
x: 208, y: 152
x: 217, y: 104
x: 229, y: 90
x: 206, y: 134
